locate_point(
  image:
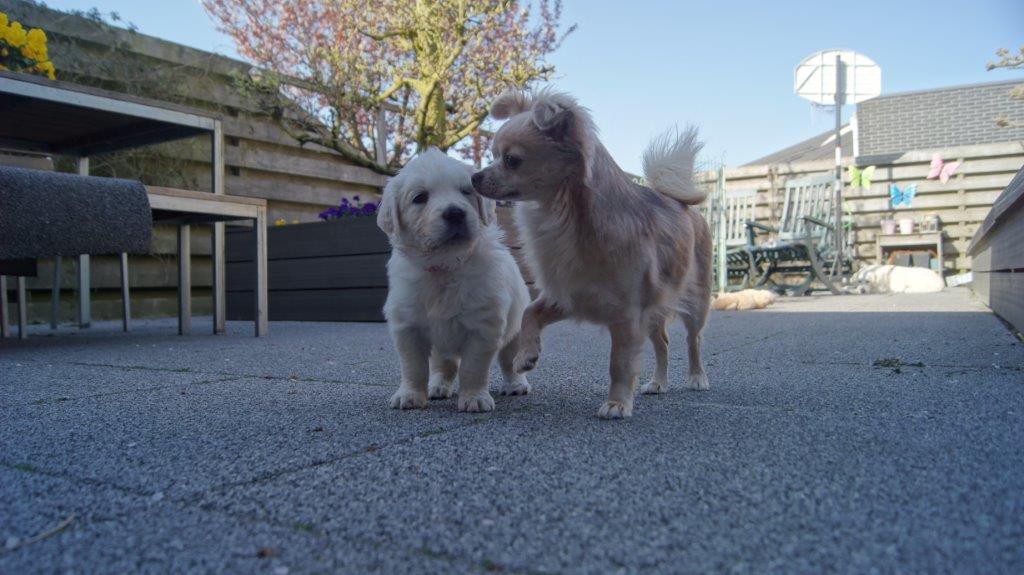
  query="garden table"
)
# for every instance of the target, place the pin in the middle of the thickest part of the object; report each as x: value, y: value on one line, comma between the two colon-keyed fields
x: 49, y: 117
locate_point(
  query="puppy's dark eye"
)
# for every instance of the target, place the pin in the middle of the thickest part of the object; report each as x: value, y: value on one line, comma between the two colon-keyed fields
x: 511, y: 162
x: 466, y: 192
x: 421, y: 198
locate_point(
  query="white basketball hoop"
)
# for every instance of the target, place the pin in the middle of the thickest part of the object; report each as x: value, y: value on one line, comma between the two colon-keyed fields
x: 858, y: 77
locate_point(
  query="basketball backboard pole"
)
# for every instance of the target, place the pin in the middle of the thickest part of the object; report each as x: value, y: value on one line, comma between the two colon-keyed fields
x: 839, y: 233
x: 837, y: 78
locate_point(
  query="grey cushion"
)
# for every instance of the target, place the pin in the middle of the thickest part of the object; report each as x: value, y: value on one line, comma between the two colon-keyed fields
x: 44, y: 214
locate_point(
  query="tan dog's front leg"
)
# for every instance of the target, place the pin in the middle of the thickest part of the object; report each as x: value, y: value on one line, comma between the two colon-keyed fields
x: 627, y: 343
x: 473, y: 372
x: 414, y: 353
x: 536, y: 317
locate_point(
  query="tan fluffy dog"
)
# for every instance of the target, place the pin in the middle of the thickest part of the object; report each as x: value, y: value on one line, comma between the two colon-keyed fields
x: 603, y: 248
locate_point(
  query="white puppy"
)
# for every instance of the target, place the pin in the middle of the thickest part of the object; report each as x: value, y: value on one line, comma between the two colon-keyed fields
x: 456, y: 296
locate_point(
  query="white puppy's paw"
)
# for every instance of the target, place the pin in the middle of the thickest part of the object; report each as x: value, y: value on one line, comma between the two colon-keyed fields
x: 698, y: 381
x: 406, y: 398
x: 515, y: 385
x: 477, y: 403
x: 438, y: 388
x: 615, y: 410
x: 654, y: 386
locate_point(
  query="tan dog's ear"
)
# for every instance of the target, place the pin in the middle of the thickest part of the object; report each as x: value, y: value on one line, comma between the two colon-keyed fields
x: 387, y: 213
x: 510, y: 103
x: 552, y: 118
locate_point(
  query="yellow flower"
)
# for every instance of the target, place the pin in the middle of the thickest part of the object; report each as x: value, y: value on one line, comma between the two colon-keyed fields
x: 3, y: 21
x: 46, y: 68
x: 16, y: 35
x: 35, y: 46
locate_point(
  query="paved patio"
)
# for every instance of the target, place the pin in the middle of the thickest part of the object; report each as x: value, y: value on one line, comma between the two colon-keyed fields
x: 278, y: 455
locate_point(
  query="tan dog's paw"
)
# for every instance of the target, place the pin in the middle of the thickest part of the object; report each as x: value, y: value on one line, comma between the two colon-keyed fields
x: 517, y: 385
x: 479, y: 403
x: 408, y: 399
x: 654, y: 387
x: 698, y: 381
x: 615, y: 410
x: 438, y: 388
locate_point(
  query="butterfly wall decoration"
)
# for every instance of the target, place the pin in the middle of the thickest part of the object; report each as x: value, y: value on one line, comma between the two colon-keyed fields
x: 904, y: 197
x: 861, y: 178
x: 942, y: 170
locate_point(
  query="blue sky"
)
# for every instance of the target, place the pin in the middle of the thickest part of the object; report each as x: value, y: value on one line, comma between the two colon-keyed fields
x: 727, y: 66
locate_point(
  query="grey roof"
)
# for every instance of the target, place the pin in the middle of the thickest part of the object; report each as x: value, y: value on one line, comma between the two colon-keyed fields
x: 818, y: 147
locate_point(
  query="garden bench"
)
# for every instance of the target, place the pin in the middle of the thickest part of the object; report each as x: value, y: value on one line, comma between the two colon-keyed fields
x: 803, y: 242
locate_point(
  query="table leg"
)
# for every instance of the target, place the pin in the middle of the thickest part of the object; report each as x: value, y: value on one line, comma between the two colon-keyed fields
x: 5, y: 313
x: 184, y: 280
x: 260, y: 296
x: 126, y: 302
x: 84, y: 301
x: 22, y: 309
x: 219, y: 285
x: 55, y: 294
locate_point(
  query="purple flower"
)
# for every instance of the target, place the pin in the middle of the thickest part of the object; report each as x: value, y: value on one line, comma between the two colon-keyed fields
x: 350, y: 209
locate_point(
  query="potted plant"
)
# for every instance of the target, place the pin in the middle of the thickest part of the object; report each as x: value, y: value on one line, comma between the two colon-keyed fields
x: 331, y: 270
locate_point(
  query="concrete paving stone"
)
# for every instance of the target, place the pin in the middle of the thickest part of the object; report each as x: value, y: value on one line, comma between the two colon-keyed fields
x: 27, y: 382
x: 182, y: 439
x: 115, y: 532
x: 803, y: 457
x: 685, y: 488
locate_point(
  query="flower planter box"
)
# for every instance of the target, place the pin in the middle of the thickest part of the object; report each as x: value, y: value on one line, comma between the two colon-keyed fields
x: 320, y: 271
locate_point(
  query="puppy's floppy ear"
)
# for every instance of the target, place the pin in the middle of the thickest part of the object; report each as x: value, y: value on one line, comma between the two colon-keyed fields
x: 510, y: 103
x: 387, y: 213
x: 486, y: 208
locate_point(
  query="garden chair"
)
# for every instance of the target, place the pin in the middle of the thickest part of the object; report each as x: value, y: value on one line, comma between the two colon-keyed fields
x: 735, y: 209
x: 803, y: 242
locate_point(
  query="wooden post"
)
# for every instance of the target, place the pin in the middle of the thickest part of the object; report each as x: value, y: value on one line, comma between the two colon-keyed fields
x: 184, y: 280
x: 217, y: 249
x: 22, y: 309
x: 5, y: 313
x: 55, y: 294
x: 260, y: 295
x: 723, y: 273
x: 84, y: 302
x: 126, y: 303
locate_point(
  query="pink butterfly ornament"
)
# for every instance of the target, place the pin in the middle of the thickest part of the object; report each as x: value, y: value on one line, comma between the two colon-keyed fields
x: 942, y: 170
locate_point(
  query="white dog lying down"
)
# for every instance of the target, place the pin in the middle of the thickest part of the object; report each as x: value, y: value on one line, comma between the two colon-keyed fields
x: 456, y: 296
x: 899, y: 279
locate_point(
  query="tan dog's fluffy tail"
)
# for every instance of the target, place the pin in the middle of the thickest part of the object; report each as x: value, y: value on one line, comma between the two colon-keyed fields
x: 669, y: 163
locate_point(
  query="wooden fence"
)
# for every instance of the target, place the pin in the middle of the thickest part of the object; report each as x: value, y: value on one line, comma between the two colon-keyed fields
x: 961, y: 204
x: 261, y: 159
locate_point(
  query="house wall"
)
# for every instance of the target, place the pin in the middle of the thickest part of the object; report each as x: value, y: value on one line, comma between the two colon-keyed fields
x: 956, y: 116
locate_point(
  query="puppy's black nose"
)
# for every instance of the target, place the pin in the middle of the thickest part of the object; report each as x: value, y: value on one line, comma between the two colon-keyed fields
x: 478, y: 178
x: 454, y: 215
